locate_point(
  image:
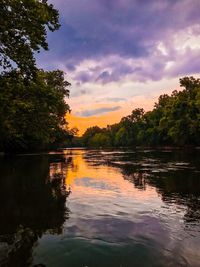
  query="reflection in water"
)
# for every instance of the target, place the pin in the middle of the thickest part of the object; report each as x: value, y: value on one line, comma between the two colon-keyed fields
x: 127, y: 208
x: 32, y: 194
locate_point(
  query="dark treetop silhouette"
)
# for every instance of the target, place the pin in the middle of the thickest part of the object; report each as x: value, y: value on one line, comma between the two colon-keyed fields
x: 32, y: 101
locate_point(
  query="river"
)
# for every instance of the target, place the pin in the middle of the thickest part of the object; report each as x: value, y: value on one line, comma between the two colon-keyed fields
x: 100, y: 208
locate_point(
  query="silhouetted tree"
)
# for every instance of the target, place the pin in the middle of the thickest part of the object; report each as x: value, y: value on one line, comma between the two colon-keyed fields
x: 23, y: 31
x: 32, y: 114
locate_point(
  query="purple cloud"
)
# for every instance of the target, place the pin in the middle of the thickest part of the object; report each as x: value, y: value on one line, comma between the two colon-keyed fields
x: 187, y: 64
x: 131, y: 29
x: 83, y: 77
x: 116, y: 73
x: 98, y: 111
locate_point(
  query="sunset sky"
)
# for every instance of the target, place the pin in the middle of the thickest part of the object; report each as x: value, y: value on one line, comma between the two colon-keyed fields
x: 122, y: 54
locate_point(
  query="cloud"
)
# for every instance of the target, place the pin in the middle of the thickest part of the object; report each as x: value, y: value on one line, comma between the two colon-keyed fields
x: 83, y: 77
x: 70, y: 67
x: 117, y: 71
x: 98, y: 111
x: 130, y: 38
x: 115, y: 99
x: 185, y: 65
x: 80, y: 92
x: 106, y: 70
x: 113, y: 50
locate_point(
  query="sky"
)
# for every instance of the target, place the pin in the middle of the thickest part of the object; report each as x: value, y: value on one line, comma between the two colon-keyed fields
x: 122, y: 54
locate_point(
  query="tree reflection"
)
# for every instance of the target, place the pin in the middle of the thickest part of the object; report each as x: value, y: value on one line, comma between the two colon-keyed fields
x: 138, y: 179
x: 33, y: 196
x: 33, y: 191
x: 175, y: 182
x: 181, y: 188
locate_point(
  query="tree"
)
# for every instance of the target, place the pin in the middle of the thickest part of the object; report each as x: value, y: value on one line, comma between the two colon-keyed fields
x: 32, y: 101
x: 137, y: 115
x: 100, y: 140
x: 175, y: 120
x: 89, y: 133
x: 32, y: 113
x: 23, y: 31
x: 189, y: 83
x: 121, y: 137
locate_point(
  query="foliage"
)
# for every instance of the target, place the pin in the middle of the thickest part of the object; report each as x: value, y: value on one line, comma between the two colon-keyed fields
x: 32, y: 101
x: 175, y: 120
x: 23, y: 31
x: 32, y: 113
x: 89, y: 134
x: 100, y: 140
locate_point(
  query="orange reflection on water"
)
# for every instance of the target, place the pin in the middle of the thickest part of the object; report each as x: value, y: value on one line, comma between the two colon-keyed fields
x: 88, y: 178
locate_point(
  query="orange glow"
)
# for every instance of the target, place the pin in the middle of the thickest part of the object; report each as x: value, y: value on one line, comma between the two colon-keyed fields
x: 112, y: 176
x: 82, y: 123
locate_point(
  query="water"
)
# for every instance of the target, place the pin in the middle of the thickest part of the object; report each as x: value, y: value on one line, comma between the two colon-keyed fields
x: 100, y: 208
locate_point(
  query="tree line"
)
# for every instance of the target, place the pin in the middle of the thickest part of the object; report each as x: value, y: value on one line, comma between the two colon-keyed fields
x: 174, y: 121
x: 32, y: 101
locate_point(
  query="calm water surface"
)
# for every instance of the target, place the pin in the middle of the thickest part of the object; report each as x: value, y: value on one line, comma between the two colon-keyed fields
x: 100, y: 208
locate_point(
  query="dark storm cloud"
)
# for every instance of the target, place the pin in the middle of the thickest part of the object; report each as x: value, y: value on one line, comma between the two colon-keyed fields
x: 95, y: 29
x: 98, y: 111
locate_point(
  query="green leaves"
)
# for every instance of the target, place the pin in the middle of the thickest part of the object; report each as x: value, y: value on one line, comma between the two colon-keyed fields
x: 32, y: 101
x: 32, y: 114
x: 175, y: 120
x: 23, y: 31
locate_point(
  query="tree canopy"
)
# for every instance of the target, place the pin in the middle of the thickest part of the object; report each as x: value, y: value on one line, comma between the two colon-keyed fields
x: 23, y: 31
x: 175, y: 120
x: 32, y: 102
x: 32, y: 115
